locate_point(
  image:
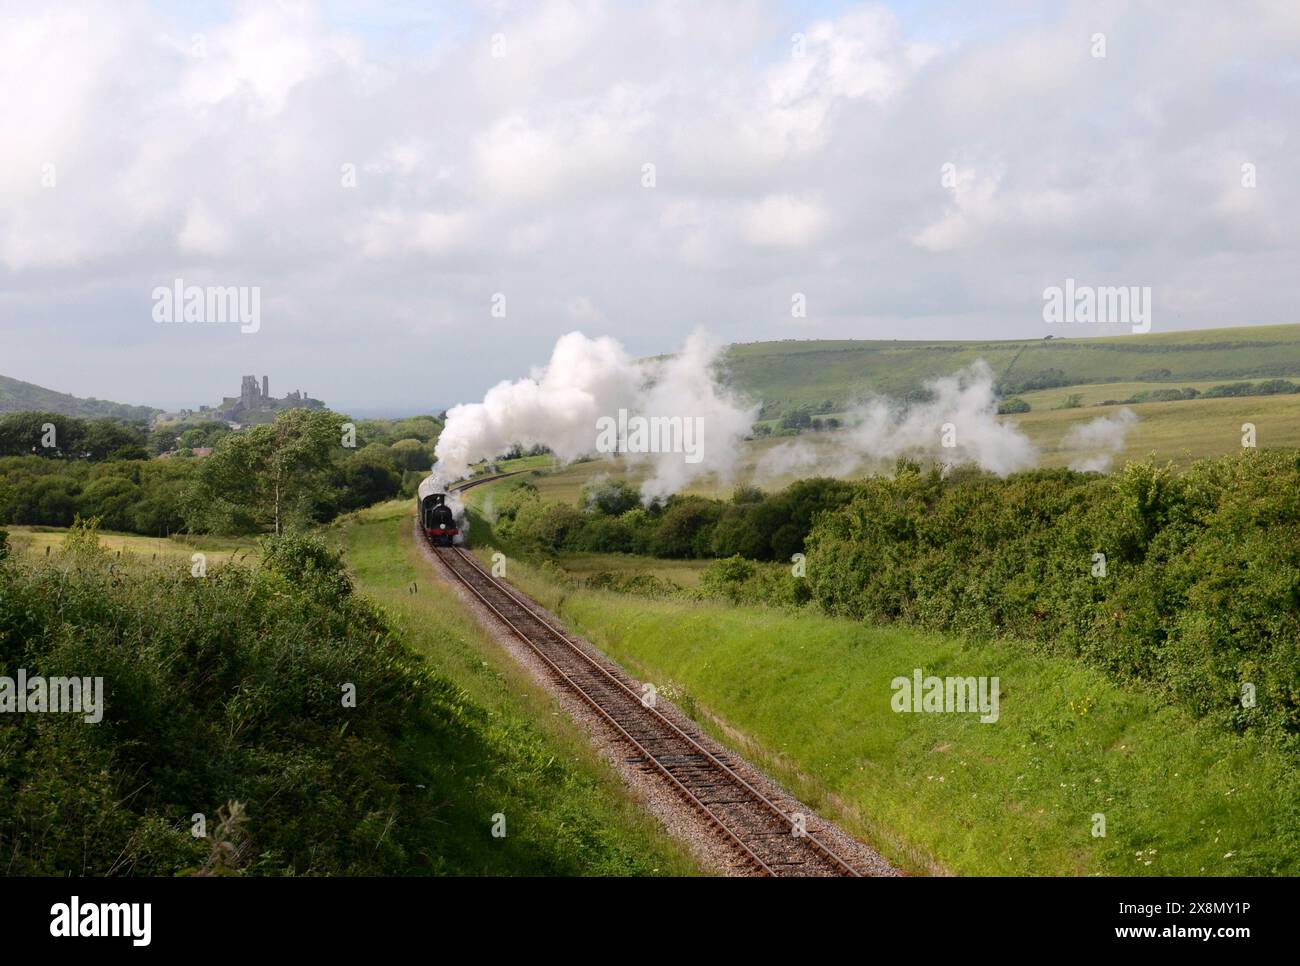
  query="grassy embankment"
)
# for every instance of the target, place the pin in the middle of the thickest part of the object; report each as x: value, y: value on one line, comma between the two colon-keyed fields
x: 808, y: 697
x: 567, y: 812
x: 507, y: 750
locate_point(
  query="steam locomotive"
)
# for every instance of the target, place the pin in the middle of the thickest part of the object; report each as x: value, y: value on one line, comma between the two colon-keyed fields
x: 436, y: 518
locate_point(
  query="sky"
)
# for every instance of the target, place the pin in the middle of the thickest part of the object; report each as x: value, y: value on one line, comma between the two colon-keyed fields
x: 427, y: 195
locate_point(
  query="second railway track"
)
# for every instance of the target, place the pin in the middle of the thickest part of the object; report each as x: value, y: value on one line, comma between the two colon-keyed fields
x: 765, y: 836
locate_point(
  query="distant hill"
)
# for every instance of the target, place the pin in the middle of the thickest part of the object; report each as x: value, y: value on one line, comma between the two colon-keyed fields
x: 794, y: 373
x: 16, y: 396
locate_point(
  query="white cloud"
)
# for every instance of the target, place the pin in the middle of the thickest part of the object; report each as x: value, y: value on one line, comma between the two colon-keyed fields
x: 780, y: 221
x: 204, y: 232
x: 775, y: 174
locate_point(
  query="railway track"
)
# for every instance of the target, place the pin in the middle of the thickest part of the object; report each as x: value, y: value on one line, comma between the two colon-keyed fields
x: 765, y: 837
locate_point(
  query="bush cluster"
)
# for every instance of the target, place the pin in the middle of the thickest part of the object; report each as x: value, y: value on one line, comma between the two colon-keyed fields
x: 751, y: 524
x: 1199, y: 595
x: 224, y: 697
x: 136, y: 496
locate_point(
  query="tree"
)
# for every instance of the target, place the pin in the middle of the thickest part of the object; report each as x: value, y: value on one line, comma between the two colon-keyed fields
x: 411, y: 454
x: 369, y: 477
x: 267, y: 475
x: 611, y: 497
x: 43, y: 434
x: 102, y: 437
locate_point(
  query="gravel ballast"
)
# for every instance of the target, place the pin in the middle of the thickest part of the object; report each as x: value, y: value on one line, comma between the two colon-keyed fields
x: 682, y: 821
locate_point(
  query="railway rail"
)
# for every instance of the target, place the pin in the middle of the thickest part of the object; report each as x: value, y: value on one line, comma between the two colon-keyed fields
x: 767, y: 838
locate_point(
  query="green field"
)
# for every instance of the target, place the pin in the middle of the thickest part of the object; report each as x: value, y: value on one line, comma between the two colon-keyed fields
x: 808, y: 698
x: 1176, y: 431
x: 684, y: 573
x: 793, y: 373
x: 178, y: 547
x: 1095, y: 394
x: 567, y: 812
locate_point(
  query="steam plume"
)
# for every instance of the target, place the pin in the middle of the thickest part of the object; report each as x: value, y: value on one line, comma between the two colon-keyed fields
x: 957, y: 424
x: 586, y: 380
x: 1101, y: 439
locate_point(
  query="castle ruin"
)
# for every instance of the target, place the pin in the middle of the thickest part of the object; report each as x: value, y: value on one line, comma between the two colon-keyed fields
x: 254, y: 403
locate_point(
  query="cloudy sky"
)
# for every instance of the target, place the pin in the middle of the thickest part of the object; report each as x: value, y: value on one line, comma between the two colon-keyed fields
x: 383, y: 171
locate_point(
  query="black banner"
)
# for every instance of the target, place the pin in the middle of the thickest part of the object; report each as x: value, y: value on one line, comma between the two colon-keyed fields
x: 139, y: 916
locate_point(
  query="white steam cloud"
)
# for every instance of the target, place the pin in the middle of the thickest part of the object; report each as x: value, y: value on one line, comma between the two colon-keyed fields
x: 560, y: 406
x: 1101, y: 439
x: 957, y: 424
x: 589, y: 381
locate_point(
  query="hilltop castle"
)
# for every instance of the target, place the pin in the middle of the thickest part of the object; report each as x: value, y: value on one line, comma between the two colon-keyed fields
x: 255, y: 405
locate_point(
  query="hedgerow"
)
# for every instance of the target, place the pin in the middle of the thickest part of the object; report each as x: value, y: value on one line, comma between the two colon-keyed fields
x: 1186, y: 583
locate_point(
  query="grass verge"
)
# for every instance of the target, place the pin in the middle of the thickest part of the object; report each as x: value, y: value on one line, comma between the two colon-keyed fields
x: 808, y: 698
x: 566, y: 811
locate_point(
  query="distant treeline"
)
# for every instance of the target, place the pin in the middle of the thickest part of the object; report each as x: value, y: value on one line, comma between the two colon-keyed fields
x: 753, y: 524
x: 1268, y: 387
x: 53, y: 436
x: 297, y: 471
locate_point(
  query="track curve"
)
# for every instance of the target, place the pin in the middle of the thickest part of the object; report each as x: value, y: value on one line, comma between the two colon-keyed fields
x: 767, y: 838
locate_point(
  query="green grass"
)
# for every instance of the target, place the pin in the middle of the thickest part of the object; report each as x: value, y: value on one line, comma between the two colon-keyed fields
x: 808, y: 697
x: 1097, y: 393
x: 684, y: 573
x: 178, y: 547
x: 567, y: 812
x: 793, y: 373
x: 1178, y: 431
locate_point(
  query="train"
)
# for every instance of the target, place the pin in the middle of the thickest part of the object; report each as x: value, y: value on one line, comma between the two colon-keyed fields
x: 437, y: 521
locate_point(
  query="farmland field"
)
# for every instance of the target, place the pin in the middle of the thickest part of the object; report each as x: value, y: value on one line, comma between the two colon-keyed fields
x: 1168, y: 431
x: 787, y: 375
x: 40, y: 540
x: 684, y: 573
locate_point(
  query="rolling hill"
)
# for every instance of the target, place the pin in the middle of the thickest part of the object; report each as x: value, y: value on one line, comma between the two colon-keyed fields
x: 830, y: 374
x: 18, y: 396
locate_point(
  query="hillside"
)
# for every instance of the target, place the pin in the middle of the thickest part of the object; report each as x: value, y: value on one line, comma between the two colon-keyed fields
x: 830, y: 373
x: 19, y: 396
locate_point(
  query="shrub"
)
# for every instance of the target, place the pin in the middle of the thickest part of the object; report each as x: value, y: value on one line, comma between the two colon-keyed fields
x: 1200, y: 592
x: 745, y: 582
x: 611, y: 497
x: 645, y: 585
x: 219, y: 690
